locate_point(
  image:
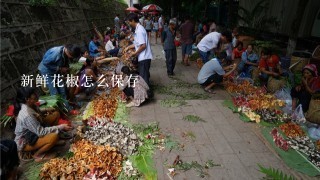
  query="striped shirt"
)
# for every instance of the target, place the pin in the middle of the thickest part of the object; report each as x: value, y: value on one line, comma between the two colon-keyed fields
x: 27, y: 120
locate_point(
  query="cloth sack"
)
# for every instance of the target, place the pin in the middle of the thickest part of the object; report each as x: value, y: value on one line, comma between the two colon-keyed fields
x: 313, y: 113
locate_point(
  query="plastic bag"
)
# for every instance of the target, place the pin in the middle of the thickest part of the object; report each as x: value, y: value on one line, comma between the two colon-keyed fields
x: 298, y: 116
x: 314, y: 133
x: 284, y: 95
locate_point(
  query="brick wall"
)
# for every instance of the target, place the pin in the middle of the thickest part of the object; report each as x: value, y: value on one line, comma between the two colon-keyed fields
x: 28, y: 31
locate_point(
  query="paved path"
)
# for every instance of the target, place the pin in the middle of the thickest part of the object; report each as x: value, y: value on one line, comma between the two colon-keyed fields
x: 223, y: 138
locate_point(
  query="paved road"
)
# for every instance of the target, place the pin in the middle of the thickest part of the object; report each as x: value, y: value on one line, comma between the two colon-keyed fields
x: 223, y: 138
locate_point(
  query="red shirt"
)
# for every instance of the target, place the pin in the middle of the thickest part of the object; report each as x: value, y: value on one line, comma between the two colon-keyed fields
x: 315, y: 84
x: 237, y: 53
x: 264, y: 63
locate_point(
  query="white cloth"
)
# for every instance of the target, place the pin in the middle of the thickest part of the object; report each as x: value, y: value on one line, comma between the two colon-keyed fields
x: 141, y: 37
x: 109, y: 46
x: 160, y: 23
x: 209, y: 42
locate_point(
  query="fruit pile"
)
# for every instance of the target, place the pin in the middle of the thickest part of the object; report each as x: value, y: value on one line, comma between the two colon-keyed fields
x: 292, y: 130
x: 86, y: 158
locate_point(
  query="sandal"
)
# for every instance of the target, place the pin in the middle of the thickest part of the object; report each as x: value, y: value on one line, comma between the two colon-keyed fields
x: 209, y: 91
x: 45, y: 157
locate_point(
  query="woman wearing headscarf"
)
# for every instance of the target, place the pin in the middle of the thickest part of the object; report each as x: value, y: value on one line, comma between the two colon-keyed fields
x: 310, y: 84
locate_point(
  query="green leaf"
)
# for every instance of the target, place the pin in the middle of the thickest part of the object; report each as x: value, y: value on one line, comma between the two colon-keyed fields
x: 144, y: 163
x: 274, y: 174
x: 193, y: 118
x: 172, y: 103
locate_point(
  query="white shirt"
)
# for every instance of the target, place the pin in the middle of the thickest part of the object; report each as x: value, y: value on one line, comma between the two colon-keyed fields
x: 209, y: 42
x: 234, y: 41
x: 141, y: 37
x: 160, y: 23
x: 109, y: 46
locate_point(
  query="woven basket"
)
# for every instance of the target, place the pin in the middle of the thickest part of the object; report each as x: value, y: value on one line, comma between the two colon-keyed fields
x: 299, y: 60
x: 313, y: 114
x: 275, y: 84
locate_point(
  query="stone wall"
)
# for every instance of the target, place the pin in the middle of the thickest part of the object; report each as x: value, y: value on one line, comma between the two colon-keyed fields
x: 28, y: 31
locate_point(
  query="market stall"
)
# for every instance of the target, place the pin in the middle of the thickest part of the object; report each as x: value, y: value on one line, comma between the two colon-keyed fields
x: 285, y: 132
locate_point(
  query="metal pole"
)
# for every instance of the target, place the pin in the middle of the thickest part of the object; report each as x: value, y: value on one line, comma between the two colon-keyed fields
x: 131, y: 3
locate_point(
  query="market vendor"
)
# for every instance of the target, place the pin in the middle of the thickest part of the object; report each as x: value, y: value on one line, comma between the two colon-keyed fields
x: 212, y: 73
x: 237, y: 51
x: 302, y: 93
x: 249, y: 61
x: 134, y: 87
x: 110, y: 48
x: 94, y: 47
x: 30, y: 134
x: 269, y: 66
x: 87, y: 78
x: 56, y: 61
x: 211, y: 41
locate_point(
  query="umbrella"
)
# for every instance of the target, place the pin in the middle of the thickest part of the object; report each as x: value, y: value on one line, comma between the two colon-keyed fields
x: 153, y: 12
x: 132, y: 9
x: 152, y: 7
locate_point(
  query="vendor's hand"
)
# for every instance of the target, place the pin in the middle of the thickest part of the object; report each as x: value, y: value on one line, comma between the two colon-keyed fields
x: 275, y: 74
x: 64, y: 70
x: 65, y: 127
x: 132, y: 55
x: 304, y: 82
x: 125, y: 49
x: 298, y: 88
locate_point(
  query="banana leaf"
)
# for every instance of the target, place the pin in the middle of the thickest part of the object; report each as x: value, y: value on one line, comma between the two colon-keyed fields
x: 144, y: 163
x: 292, y: 158
x: 55, y: 101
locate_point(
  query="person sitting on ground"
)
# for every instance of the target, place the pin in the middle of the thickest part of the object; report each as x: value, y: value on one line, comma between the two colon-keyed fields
x: 249, y: 61
x: 30, y: 135
x: 235, y: 36
x: 124, y: 26
x: 9, y: 160
x: 113, y: 51
x: 94, y: 47
x: 134, y: 87
x: 237, y: 52
x: 211, y: 41
x: 212, y: 73
x: 88, y: 78
x: 269, y: 66
x: 107, y: 34
x: 302, y: 93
